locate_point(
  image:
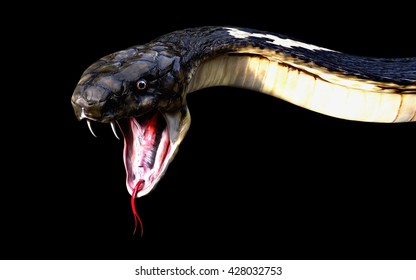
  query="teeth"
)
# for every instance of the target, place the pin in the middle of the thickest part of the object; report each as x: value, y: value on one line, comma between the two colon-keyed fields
x: 113, y: 127
x: 89, y: 126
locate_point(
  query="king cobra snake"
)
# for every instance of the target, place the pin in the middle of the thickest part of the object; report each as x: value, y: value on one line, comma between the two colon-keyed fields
x: 143, y: 89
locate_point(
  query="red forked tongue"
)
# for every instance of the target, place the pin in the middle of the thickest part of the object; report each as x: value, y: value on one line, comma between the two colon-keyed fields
x: 136, y: 189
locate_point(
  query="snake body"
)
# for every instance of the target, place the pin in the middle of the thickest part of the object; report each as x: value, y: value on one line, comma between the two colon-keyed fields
x: 143, y: 89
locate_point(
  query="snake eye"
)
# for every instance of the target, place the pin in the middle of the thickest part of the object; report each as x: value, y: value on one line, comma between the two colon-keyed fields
x: 141, y: 84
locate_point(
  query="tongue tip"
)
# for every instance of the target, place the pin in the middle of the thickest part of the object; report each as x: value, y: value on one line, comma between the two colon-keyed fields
x: 137, y: 219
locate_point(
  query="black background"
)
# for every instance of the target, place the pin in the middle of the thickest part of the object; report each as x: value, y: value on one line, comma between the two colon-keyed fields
x: 255, y: 177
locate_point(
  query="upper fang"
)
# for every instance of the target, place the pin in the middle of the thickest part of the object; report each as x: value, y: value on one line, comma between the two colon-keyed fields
x: 89, y: 126
x: 113, y: 127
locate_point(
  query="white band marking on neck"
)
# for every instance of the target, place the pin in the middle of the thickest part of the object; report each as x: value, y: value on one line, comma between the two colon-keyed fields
x: 288, y: 43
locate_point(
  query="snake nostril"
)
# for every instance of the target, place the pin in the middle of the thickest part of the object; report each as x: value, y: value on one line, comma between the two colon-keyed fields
x: 84, y: 109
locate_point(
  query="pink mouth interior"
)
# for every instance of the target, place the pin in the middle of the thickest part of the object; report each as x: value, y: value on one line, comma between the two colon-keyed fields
x: 146, y: 145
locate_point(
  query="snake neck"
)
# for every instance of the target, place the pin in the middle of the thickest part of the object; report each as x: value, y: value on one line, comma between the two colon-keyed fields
x: 319, y: 79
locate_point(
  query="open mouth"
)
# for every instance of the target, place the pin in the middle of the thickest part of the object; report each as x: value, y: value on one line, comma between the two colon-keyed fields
x: 151, y: 142
x: 147, y: 148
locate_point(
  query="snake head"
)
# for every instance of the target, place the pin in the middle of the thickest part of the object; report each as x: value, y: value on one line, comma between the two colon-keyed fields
x: 139, y: 89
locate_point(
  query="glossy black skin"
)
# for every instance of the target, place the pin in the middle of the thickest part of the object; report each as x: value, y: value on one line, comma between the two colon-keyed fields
x: 130, y: 83
x: 108, y: 89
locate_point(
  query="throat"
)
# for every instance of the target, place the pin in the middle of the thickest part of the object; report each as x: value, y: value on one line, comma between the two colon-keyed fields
x: 149, y: 141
